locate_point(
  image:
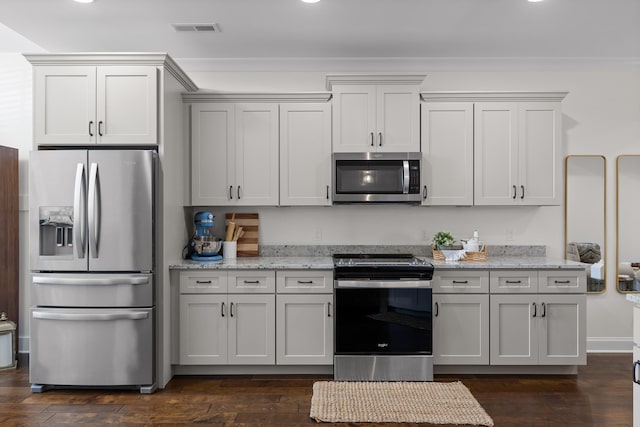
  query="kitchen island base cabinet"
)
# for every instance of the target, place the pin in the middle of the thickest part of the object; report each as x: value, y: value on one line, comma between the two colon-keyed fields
x: 538, y: 329
x: 304, y: 330
x: 461, y: 329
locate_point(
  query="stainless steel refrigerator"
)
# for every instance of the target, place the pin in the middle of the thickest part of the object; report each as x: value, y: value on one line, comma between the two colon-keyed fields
x: 91, y: 225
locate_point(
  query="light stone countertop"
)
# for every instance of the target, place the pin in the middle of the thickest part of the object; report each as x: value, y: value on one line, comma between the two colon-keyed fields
x: 326, y: 263
x: 259, y: 263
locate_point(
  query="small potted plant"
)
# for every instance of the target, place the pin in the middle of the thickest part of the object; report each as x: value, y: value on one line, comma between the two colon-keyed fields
x: 443, y: 240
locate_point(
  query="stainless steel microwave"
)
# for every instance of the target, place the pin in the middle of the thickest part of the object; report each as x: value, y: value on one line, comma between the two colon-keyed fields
x: 376, y: 177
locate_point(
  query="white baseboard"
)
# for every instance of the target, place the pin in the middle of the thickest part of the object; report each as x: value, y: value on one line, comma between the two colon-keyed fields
x: 609, y: 344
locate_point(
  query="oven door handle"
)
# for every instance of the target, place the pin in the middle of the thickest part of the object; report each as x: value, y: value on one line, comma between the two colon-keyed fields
x: 399, y: 284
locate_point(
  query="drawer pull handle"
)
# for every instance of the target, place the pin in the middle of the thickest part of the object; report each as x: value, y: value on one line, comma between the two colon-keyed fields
x: 544, y: 310
x: 253, y: 282
x: 328, y: 309
x: 231, y: 310
x: 535, y: 309
x: 461, y: 282
x: 514, y: 281
x: 222, y: 309
x: 305, y: 282
x: 437, y: 310
x: 203, y: 281
x: 561, y: 281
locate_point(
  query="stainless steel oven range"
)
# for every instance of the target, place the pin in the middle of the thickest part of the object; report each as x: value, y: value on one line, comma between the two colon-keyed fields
x: 382, y: 322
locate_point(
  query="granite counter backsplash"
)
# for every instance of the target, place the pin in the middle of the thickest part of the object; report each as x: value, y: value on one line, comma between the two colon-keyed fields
x: 418, y: 250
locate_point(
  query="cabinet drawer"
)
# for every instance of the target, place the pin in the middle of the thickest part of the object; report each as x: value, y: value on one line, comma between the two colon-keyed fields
x: 460, y: 281
x: 562, y: 281
x: 203, y: 282
x: 305, y: 281
x: 252, y: 281
x: 513, y: 281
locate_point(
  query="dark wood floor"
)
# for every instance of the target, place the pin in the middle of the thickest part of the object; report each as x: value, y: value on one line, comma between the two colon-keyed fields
x: 600, y: 395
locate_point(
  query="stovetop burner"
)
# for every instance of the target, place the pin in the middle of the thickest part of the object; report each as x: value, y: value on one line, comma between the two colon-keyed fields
x: 361, y: 260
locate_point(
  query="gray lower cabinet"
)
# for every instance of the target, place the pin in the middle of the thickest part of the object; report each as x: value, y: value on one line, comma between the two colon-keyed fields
x: 234, y: 317
x: 217, y: 327
x: 304, y: 317
x: 539, y: 328
x: 460, y: 317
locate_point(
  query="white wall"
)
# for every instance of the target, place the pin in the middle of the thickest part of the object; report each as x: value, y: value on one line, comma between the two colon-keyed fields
x: 16, y: 132
x: 601, y: 115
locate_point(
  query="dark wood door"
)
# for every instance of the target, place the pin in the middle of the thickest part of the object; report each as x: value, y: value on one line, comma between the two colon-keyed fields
x: 9, y: 229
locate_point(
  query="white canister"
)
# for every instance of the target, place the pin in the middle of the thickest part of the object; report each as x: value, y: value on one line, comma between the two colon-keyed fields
x: 230, y: 249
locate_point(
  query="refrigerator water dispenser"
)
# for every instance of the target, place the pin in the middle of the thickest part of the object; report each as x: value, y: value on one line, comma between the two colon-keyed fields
x: 56, y: 230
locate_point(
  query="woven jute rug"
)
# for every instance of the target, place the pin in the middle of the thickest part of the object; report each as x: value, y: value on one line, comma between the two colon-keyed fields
x: 396, y: 402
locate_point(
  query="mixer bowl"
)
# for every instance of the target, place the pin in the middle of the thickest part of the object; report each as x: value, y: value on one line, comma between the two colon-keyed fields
x: 207, y: 245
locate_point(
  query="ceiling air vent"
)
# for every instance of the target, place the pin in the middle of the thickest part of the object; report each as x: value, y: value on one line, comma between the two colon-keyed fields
x: 199, y: 28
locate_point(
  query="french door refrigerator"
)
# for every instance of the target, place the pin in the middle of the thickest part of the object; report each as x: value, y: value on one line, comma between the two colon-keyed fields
x: 91, y: 225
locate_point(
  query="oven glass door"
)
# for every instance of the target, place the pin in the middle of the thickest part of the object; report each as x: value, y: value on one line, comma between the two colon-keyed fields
x: 369, y: 177
x: 383, y: 321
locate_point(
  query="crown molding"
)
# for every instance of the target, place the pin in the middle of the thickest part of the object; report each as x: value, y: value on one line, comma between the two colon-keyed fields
x: 204, y: 96
x: 409, y: 64
x: 157, y: 59
x: 368, y: 79
x: 513, y: 96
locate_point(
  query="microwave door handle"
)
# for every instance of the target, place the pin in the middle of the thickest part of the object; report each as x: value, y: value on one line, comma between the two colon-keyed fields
x: 405, y: 177
x: 79, y: 227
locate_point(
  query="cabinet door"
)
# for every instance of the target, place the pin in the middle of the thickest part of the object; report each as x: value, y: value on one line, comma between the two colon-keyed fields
x: 539, y: 153
x: 212, y: 154
x: 203, y: 330
x: 252, y: 334
x: 305, y: 154
x: 461, y: 329
x: 562, y: 332
x: 354, y: 118
x: 64, y: 105
x: 447, y: 153
x: 514, y: 333
x: 256, y: 161
x: 127, y: 111
x: 304, y: 330
x: 496, y: 153
x: 397, y: 118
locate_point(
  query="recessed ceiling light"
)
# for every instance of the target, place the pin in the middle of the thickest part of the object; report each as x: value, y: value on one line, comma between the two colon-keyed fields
x: 311, y: 1
x: 83, y: 1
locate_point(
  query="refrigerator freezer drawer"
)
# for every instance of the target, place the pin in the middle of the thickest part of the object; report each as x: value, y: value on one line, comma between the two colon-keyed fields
x: 92, y: 290
x: 91, y: 347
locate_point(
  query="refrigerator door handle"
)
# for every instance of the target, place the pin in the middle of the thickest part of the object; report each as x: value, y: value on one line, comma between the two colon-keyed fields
x: 94, y: 210
x: 78, y: 209
x: 131, y: 315
x: 42, y: 280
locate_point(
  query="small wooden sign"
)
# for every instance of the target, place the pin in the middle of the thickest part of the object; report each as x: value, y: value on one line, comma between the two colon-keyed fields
x: 248, y: 243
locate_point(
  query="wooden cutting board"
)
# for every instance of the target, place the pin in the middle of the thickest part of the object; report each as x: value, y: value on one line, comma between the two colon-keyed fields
x: 247, y: 244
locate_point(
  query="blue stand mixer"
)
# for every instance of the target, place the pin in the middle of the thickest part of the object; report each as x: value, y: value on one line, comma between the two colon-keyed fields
x: 205, y: 247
